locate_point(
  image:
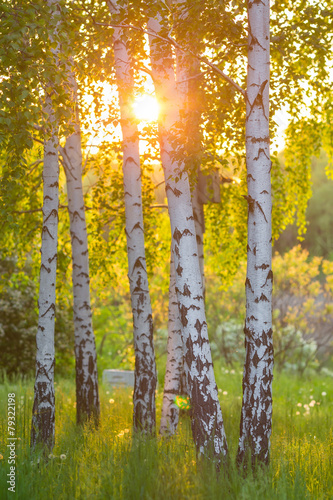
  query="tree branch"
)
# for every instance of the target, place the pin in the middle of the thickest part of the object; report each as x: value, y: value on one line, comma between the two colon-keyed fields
x: 173, y: 42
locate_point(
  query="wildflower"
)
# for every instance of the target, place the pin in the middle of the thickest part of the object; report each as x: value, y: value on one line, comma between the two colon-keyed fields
x: 232, y: 371
x: 107, y: 392
x: 220, y: 390
x: 111, y: 401
x: 62, y: 457
x: 306, y: 407
x: 299, y: 404
x: 51, y: 455
x: 1, y: 457
x: 224, y: 393
x: 74, y: 405
x: 323, y: 393
x: 297, y: 413
x: 317, y: 403
x: 126, y: 430
x: 312, y: 403
x: 121, y: 433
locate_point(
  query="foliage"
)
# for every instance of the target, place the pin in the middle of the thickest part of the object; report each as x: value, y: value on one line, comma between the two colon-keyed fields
x: 18, y: 322
x: 302, y: 312
x: 115, y: 464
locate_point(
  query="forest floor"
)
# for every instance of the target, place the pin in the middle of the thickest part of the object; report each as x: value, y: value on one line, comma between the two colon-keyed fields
x: 109, y: 463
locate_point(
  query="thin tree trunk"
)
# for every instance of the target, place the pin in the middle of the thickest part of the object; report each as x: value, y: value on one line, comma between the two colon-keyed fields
x: 175, y: 364
x: 255, y: 428
x: 87, y: 397
x: 43, y: 413
x: 175, y: 381
x: 144, y: 417
x: 207, y: 421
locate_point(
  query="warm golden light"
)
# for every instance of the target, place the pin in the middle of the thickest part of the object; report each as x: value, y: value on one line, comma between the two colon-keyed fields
x: 146, y: 108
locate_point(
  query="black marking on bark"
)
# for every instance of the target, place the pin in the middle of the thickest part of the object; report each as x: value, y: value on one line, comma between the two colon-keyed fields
x: 85, y: 275
x: 51, y: 153
x: 177, y: 235
x: 52, y: 307
x: 130, y: 159
x: 255, y: 251
x: 248, y: 284
x: 77, y: 265
x: 77, y: 214
x: 46, y: 230
x: 175, y: 191
x: 198, y: 326
x: 77, y: 238
x: 261, y: 150
x: 47, y: 269
x: 250, y: 177
x: 250, y: 202
x: 251, y: 318
x: 47, y: 197
x: 264, y: 192
x: 136, y: 226
x: 138, y: 264
x: 263, y: 267
x: 177, y: 251
x: 261, y: 210
x: 183, y: 315
x: 269, y: 277
x: 136, y: 204
x: 186, y: 292
x: 190, y: 218
x: 51, y: 259
x: 55, y: 184
x: 198, y: 297
x: 179, y: 270
x: 127, y: 194
x: 262, y: 298
x: 254, y: 140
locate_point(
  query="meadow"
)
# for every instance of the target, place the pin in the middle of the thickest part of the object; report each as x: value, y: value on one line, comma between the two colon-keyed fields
x: 111, y: 463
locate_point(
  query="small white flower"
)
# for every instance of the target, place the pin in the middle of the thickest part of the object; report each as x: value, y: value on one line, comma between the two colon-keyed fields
x: 224, y: 393
x: 62, y: 457
x: 323, y: 393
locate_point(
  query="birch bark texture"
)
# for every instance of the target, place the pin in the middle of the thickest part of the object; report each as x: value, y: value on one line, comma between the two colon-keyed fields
x: 43, y: 413
x: 87, y: 397
x: 207, y: 422
x: 175, y: 363
x: 175, y: 381
x: 256, y: 417
x: 144, y: 412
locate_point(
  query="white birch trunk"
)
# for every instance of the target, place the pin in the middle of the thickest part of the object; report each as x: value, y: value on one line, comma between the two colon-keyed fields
x: 43, y: 413
x: 144, y: 416
x: 87, y: 397
x: 255, y: 428
x: 207, y: 421
x: 175, y: 380
x: 175, y: 364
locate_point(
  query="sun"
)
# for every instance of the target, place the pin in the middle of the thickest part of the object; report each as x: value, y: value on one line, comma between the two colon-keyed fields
x: 146, y: 108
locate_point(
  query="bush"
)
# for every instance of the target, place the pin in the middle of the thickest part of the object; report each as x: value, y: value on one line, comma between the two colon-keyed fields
x: 19, y: 319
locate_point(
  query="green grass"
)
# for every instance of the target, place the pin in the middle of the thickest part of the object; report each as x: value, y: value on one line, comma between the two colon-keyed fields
x: 110, y: 463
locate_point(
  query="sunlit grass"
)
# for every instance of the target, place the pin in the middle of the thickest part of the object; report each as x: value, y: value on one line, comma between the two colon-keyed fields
x: 112, y: 463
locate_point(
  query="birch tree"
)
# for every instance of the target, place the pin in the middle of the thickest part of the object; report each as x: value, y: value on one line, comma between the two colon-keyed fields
x: 87, y: 397
x: 255, y: 427
x: 43, y: 413
x: 189, y: 115
x: 144, y: 418
x: 207, y: 421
